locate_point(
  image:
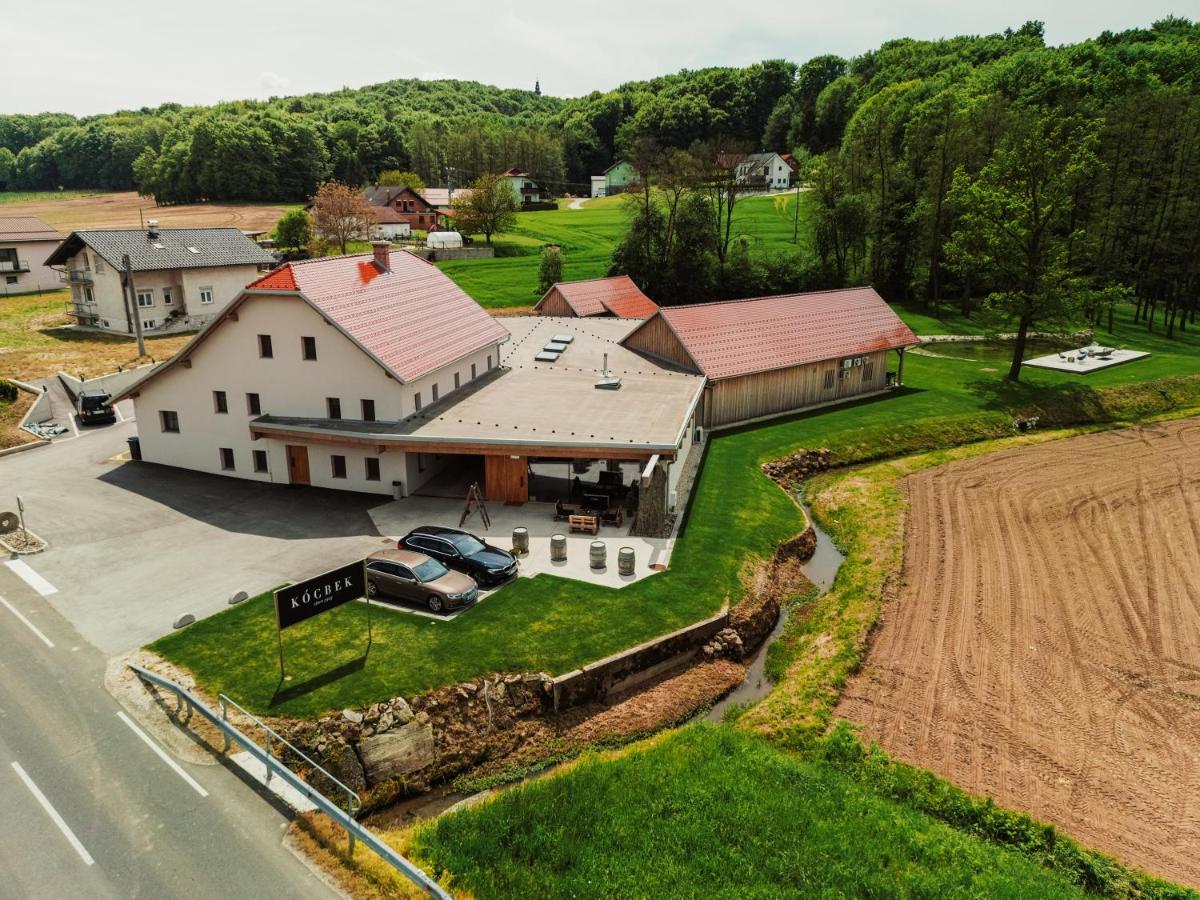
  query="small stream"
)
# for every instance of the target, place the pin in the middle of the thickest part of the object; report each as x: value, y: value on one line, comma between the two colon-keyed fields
x: 820, y: 570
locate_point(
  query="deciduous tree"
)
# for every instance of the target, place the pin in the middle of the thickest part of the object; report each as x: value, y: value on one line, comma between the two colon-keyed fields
x: 341, y: 214
x: 1016, y: 226
x: 490, y: 208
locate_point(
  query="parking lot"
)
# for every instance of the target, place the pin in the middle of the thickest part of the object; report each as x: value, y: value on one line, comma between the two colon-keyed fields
x: 133, y: 546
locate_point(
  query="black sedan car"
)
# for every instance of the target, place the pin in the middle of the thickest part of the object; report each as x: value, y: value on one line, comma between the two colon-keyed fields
x: 462, y: 551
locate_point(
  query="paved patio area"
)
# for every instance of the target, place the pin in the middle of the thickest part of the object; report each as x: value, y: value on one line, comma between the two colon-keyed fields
x: 1069, y: 361
x: 399, y: 517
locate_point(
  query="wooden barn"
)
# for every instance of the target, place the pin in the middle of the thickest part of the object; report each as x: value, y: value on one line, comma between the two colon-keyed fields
x: 769, y: 356
x: 615, y: 297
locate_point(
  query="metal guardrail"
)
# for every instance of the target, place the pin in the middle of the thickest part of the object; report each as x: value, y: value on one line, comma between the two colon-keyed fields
x: 341, y: 817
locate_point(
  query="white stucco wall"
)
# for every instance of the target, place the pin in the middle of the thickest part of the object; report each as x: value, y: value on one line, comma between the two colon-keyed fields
x: 228, y: 360
x: 226, y: 283
x: 39, y: 277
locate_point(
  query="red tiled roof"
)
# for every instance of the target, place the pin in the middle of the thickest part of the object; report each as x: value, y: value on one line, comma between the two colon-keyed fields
x: 740, y: 337
x: 413, y: 319
x: 386, y: 215
x: 280, y: 279
x: 617, y: 295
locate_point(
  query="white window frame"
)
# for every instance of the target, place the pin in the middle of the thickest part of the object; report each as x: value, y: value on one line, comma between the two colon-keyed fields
x: 149, y: 323
x: 203, y: 293
x: 168, y: 299
x: 143, y: 293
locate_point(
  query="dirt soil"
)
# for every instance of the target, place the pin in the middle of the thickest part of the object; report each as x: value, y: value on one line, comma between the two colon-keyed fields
x: 1045, y: 645
x: 121, y: 210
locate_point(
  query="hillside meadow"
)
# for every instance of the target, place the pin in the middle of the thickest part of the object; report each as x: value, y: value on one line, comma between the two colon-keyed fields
x: 589, y: 234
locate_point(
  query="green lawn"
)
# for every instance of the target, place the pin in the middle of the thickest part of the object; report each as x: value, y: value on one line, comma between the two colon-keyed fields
x: 737, y: 516
x: 29, y: 196
x: 711, y: 812
x: 588, y: 236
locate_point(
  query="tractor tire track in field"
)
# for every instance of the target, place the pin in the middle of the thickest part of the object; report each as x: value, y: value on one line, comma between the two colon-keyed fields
x: 1044, y: 647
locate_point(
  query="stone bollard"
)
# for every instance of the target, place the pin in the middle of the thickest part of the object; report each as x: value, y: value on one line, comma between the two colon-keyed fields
x: 625, y: 561
x: 598, y: 555
x: 520, y: 540
x: 558, y: 548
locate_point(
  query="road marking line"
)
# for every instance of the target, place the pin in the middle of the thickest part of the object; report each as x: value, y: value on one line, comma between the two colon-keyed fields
x: 53, y: 814
x: 162, y: 754
x: 31, y: 578
x: 12, y: 609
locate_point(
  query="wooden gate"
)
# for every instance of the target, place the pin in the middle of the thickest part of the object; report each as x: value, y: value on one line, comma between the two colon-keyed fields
x: 506, y: 479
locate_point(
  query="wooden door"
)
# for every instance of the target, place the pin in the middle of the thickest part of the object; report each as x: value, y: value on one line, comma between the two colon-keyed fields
x: 505, y: 480
x: 297, y: 457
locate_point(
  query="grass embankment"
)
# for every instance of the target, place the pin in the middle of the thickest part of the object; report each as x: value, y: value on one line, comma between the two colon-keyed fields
x: 738, y: 517
x: 13, y: 406
x: 34, y: 344
x: 710, y: 812
x: 587, y: 237
x: 722, y: 810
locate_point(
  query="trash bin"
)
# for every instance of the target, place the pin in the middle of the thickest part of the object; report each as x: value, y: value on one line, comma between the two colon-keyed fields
x: 135, y: 447
x: 397, y: 490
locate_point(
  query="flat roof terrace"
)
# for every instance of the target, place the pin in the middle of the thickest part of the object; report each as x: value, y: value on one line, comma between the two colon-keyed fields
x: 541, y: 408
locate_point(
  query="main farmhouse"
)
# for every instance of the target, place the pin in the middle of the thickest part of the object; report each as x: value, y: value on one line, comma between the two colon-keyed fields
x: 179, y: 278
x: 376, y: 373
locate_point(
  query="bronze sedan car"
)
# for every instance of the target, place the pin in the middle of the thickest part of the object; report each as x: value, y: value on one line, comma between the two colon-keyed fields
x: 412, y: 576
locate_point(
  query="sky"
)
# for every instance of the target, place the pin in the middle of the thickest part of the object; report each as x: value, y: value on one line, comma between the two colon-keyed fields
x: 85, y: 57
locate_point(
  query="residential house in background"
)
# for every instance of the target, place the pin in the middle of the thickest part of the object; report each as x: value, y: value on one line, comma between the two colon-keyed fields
x: 407, y: 208
x: 619, y: 177
x: 182, y: 277
x: 389, y: 224
x: 617, y: 297
x: 525, y: 189
x: 25, y: 242
x: 764, y: 171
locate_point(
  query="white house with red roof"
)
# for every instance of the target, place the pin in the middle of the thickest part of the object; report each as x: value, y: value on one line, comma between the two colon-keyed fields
x: 769, y: 356
x: 376, y: 371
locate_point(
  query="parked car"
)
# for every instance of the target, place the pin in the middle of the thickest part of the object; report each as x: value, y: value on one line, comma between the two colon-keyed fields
x: 408, y: 575
x: 95, y: 407
x: 460, y: 550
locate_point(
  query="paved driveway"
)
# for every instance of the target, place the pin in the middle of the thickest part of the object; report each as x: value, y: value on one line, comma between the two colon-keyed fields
x: 134, y: 545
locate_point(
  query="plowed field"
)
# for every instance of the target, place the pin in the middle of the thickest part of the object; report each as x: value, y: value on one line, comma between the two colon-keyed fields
x: 1045, y: 645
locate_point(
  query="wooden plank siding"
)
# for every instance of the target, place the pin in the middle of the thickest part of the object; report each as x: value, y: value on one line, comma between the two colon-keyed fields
x: 505, y: 480
x: 553, y: 304
x: 654, y: 338
x: 778, y: 391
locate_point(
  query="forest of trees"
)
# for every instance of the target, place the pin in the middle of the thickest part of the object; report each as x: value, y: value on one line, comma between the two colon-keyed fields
x: 981, y: 169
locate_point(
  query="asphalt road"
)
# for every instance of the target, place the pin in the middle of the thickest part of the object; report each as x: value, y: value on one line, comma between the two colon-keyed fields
x: 77, y: 783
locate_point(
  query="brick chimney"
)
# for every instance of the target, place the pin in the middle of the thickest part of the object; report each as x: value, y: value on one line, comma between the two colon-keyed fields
x: 383, y: 254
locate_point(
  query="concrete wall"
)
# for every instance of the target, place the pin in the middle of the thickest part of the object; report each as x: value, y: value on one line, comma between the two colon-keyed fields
x: 39, y: 277
x: 456, y: 253
x: 228, y: 360
x: 111, y: 383
x: 628, y: 668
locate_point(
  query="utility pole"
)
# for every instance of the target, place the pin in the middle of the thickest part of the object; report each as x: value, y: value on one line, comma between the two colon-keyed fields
x: 796, y: 215
x: 137, y: 315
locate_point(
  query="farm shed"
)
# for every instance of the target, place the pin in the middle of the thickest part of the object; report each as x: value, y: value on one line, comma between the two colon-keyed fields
x: 769, y: 356
x: 617, y: 296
